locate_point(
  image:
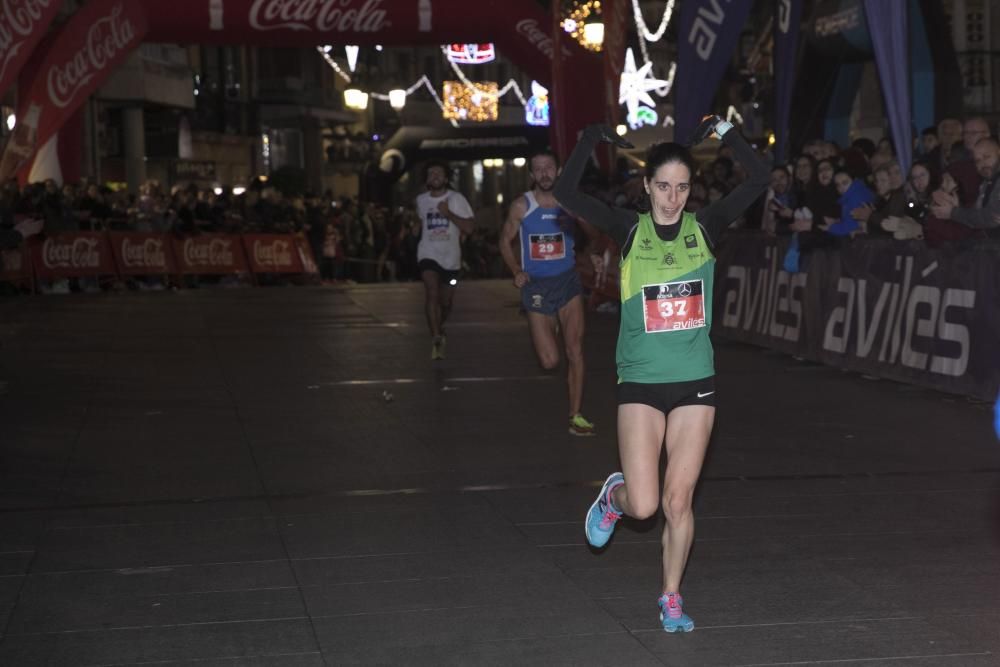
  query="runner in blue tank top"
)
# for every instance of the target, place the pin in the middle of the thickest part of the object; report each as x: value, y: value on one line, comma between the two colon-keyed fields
x: 545, y: 273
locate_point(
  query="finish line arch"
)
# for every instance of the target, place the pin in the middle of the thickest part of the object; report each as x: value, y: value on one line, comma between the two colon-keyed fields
x: 80, y: 55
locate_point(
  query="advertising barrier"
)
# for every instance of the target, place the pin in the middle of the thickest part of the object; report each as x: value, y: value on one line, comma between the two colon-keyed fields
x: 119, y: 254
x: 891, y: 309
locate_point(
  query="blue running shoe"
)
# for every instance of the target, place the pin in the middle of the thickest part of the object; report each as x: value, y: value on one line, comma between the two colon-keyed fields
x: 603, y: 515
x: 672, y: 614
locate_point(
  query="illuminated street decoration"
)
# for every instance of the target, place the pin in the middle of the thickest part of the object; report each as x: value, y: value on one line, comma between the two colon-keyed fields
x: 477, y: 103
x: 576, y: 21
x: 633, y: 92
x: 471, y: 54
x: 536, y: 111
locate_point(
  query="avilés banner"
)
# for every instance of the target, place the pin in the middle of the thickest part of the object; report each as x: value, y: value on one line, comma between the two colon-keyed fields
x: 22, y: 25
x: 886, y: 308
x: 94, y: 42
x: 709, y: 32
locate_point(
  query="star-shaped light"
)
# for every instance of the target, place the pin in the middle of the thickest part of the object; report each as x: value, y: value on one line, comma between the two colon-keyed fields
x: 636, y: 84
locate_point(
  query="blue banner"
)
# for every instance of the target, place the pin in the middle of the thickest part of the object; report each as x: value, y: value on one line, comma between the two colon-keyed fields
x: 787, y: 14
x: 888, y: 24
x: 709, y: 32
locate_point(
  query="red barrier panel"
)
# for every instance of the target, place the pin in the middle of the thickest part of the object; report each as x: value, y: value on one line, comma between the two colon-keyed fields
x: 15, y: 266
x: 72, y: 254
x: 142, y: 254
x: 273, y: 253
x: 210, y: 254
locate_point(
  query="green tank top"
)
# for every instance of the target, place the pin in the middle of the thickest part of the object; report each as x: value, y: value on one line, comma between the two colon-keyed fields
x: 666, y: 292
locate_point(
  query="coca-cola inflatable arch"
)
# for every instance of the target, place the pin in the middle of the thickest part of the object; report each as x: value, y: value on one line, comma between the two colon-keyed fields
x: 57, y: 76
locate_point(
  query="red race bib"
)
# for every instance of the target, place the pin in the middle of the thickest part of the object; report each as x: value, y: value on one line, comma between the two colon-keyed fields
x: 673, y: 306
x: 545, y: 247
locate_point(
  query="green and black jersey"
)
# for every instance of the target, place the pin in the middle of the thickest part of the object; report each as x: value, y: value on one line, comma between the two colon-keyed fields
x: 667, y: 271
x: 666, y: 292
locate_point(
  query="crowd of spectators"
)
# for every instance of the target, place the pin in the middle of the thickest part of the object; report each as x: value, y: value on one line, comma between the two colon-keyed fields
x: 350, y: 240
x: 824, y: 196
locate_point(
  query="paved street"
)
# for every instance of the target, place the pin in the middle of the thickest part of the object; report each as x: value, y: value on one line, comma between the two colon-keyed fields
x: 216, y: 477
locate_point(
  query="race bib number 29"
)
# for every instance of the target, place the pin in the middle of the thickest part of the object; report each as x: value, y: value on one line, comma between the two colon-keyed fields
x: 546, y: 247
x: 673, y: 306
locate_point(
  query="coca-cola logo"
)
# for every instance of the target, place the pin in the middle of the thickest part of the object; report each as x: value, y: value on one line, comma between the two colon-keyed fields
x: 274, y: 254
x: 321, y: 15
x: 106, y: 38
x: 149, y: 254
x: 216, y: 252
x: 528, y: 28
x: 80, y: 253
x: 18, y: 20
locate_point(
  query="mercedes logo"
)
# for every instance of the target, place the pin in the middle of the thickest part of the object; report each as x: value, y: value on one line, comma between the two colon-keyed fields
x: 684, y: 290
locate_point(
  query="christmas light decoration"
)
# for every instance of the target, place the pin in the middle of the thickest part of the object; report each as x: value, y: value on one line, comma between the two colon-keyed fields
x: 470, y: 54
x: 352, y: 56
x: 355, y: 99
x: 477, y: 103
x: 576, y: 21
x: 633, y: 92
x: 536, y: 111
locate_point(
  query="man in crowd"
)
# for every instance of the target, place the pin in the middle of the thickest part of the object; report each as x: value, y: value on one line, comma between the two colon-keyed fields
x: 985, y: 214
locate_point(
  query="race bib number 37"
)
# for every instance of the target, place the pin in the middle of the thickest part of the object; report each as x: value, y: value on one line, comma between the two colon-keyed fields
x: 546, y: 247
x: 673, y: 306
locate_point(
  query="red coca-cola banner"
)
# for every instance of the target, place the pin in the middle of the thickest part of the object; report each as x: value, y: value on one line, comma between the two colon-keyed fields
x: 92, y: 44
x: 140, y: 254
x: 15, y: 266
x: 210, y: 254
x: 273, y: 253
x: 72, y: 254
x: 22, y: 25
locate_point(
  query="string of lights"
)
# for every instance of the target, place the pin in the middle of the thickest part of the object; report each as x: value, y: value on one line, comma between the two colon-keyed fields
x: 325, y: 52
x: 643, y: 29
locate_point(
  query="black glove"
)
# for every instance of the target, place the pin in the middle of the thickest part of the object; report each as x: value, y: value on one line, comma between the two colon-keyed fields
x: 706, y: 129
x: 607, y: 134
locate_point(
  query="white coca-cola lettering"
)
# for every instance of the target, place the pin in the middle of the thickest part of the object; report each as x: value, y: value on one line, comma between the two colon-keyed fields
x: 321, y: 15
x: 106, y: 38
x: 540, y: 39
x: 275, y: 253
x: 149, y: 253
x: 216, y: 252
x: 18, y: 20
x: 80, y: 253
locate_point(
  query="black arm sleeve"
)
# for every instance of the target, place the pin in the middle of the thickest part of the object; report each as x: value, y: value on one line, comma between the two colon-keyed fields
x: 716, y: 217
x: 10, y: 238
x: 613, y: 221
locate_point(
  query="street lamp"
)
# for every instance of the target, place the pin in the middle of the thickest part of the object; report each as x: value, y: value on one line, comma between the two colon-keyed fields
x: 355, y: 99
x: 397, y: 98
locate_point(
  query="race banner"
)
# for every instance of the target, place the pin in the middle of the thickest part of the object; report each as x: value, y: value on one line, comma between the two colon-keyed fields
x: 142, y: 254
x: 892, y: 309
x: 15, y: 266
x: 72, y: 255
x: 22, y: 25
x: 521, y: 29
x: 709, y: 32
x: 786, y: 42
x: 85, y: 51
x: 210, y: 254
x: 273, y: 253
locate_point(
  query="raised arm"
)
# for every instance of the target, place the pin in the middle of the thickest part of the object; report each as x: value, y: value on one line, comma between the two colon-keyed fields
x: 716, y: 217
x: 613, y: 221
